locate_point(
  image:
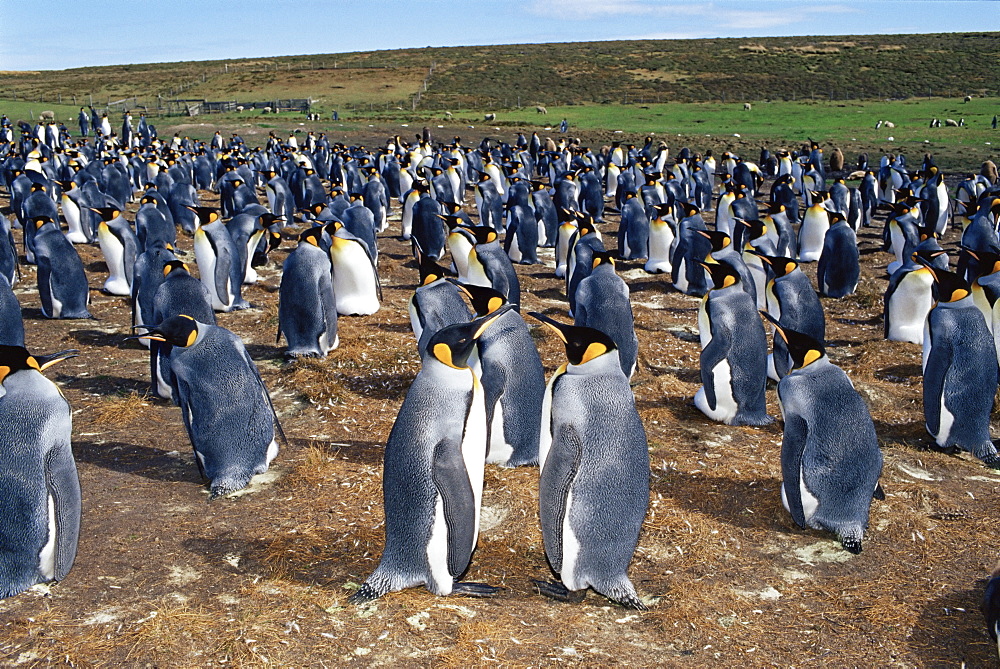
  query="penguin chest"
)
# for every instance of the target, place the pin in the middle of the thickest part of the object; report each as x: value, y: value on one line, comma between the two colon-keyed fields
x: 354, y: 283
x: 908, y: 307
x: 208, y: 265
x: 570, y: 550
x: 47, y: 556
x: 114, y: 256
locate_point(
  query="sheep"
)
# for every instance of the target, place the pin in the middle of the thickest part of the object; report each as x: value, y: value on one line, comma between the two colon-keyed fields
x: 266, y: 110
x: 239, y: 109
x: 889, y: 124
x: 448, y: 115
x: 968, y: 98
x: 951, y: 123
x: 747, y: 106
x: 541, y: 110
x: 489, y: 117
x: 47, y: 116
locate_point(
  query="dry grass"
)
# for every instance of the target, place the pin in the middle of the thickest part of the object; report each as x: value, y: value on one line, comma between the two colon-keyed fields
x: 124, y: 410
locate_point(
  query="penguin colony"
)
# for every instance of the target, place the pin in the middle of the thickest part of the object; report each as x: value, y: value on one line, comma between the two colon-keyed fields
x: 582, y: 428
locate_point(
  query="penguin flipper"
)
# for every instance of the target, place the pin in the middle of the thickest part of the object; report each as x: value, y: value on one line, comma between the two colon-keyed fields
x: 879, y: 493
x: 792, y: 446
x: 63, y: 484
x: 938, y: 361
x: 455, y: 489
x: 557, y: 476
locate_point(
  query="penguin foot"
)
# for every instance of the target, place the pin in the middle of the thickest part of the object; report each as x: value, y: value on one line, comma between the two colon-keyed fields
x: 851, y: 545
x: 559, y: 592
x: 947, y: 450
x: 365, y: 593
x: 631, y: 602
x: 755, y: 421
x: 469, y: 589
x: 992, y: 461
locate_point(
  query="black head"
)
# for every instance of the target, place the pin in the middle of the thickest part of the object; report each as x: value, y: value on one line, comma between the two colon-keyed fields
x: 719, y: 239
x: 583, y: 344
x: 484, y: 300
x: 16, y: 358
x: 453, y: 344
x: 177, y: 330
x: 780, y: 265
x: 107, y: 214
x: 803, y: 349
x: 723, y: 274
x: 205, y: 215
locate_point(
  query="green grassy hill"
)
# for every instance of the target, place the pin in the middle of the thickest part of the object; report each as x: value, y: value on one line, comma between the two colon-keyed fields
x: 722, y: 70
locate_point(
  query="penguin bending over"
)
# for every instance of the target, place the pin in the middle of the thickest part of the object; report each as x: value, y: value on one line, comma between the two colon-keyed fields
x: 432, y: 476
x: 593, y: 487
x: 830, y: 458
x: 226, y: 408
x: 39, y: 486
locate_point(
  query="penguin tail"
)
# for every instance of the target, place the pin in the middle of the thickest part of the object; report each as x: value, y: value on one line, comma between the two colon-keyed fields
x: 850, y: 539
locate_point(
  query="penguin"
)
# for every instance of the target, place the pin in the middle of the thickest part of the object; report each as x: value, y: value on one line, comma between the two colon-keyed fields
x: 960, y: 371
x: 490, y: 266
x: 582, y: 246
x: 633, y: 230
x: 218, y: 261
x: 178, y: 293
x: 733, y: 352
x: 11, y: 321
x: 436, y: 302
x: 602, y: 303
x: 990, y: 605
x: 813, y: 230
x: 687, y: 275
x: 62, y: 281
x: 839, y: 267
x: 432, y: 476
x: 307, y: 307
x: 791, y: 301
x: 513, y: 382
x: 147, y: 276
x: 39, y: 486
x: 9, y: 267
x: 660, y: 241
x: 152, y: 223
x: 356, y: 285
x: 73, y: 204
x: 120, y: 248
x: 226, y: 408
x: 907, y: 301
x: 830, y: 458
x: 593, y: 487
x: 723, y: 250
x: 545, y: 214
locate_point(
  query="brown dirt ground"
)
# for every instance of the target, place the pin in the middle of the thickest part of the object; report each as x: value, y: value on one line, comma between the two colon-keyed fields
x: 165, y: 579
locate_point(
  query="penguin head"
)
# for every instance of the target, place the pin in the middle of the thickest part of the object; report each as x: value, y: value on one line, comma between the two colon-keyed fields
x: 15, y: 359
x: 603, y: 258
x: 803, y: 349
x: 719, y: 239
x: 484, y: 300
x: 483, y: 234
x: 179, y: 331
x: 662, y: 210
x: 690, y: 209
x: 453, y: 344
x: 173, y: 265
x: 755, y: 228
x: 583, y: 344
x: 311, y: 236
x: 837, y: 217
x: 780, y: 265
x: 723, y: 274
x: 205, y: 215
x: 451, y: 221
x: 39, y: 221
x: 988, y: 261
x: 949, y: 286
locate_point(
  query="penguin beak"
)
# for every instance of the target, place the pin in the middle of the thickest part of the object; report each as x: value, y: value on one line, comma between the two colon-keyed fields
x: 46, y: 361
x: 555, y: 325
x: 487, y: 321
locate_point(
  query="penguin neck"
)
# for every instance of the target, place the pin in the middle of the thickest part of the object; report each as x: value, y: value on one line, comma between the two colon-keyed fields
x: 446, y: 374
x: 602, y: 364
x: 966, y: 301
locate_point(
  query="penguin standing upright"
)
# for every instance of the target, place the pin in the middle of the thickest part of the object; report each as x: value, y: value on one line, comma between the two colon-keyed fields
x: 120, y: 247
x: 960, y: 371
x: 791, y: 301
x: 513, y: 382
x: 733, y: 352
x: 225, y: 406
x: 830, y: 458
x: 602, y: 302
x: 62, y: 282
x: 432, y: 476
x: 436, y: 303
x: 660, y: 241
x: 356, y: 284
x: 218, y: 261
x: 39, y: 486
x: 307, y: 307
x: 593, y: 487
x: 839, y: 267
x: 813, y: 230
x: 490, y: 266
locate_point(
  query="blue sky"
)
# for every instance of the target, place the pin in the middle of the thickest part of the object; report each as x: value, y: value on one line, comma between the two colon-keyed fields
x: 60, y: 34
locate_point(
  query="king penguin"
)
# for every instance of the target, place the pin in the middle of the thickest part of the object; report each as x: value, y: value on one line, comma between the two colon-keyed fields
x: 792, y: 302
x: 225, y: 406
x: 513, y: 382
x: 62, y: 281
x: 960, y: 371
x: 733, y: 352
x: 39, y: 486
x: 602, y: 302
x: 839, y: 266
x: 356, y: 284
x: 432, y: 477
x: 218, y: 261
x: 830, y: 458
x: 593, y: 487
x: 307, y: 307
x: 120, y: 247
